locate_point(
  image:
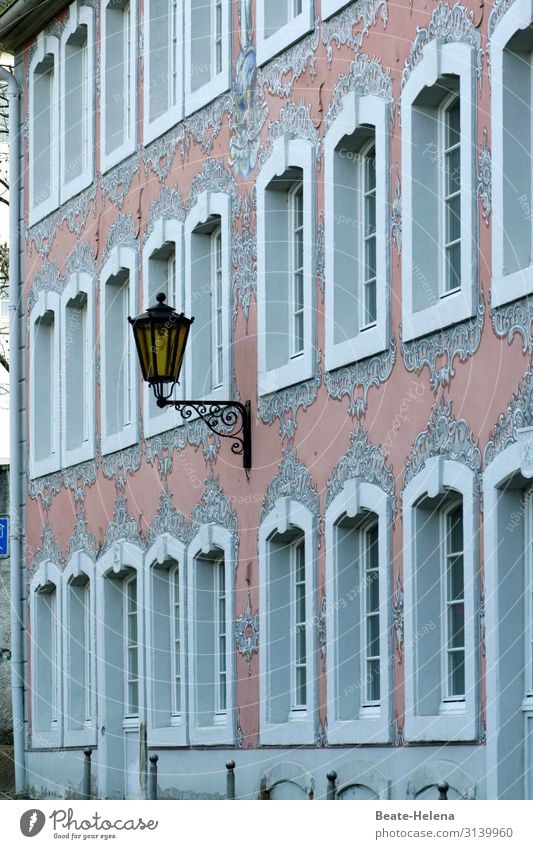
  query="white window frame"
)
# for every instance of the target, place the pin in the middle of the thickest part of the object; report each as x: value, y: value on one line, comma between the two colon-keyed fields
x: 447, y: 699
x: 331, y: 7
x: 129, y: 713
x: 210, y: 204
x: 296, y: 27
x: 174, y: 112
x: 169, y: 554
x: 79, y: 283
x: 47, y: 575
x: 166, y: 231
x: 356, y: 111
x: 218, y: 83
x: 47, y: 301
x: 45, y: 46
x: 458, y: 720
x: 79, y: 16
x: 80, y: 565
x: 517, y: 284
x: 287, y: 153
x: 107, y: 161
x: 440, y: 59
x: 121, y: 259
x: 358, y: 499
x: 211, y: 539
x: 301, y: 726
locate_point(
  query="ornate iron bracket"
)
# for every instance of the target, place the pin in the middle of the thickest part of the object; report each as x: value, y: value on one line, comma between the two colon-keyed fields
x: 221, y: 414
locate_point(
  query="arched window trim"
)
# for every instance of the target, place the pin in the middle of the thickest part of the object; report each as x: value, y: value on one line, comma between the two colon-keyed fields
x: 286, y: 515
x: 47, y: 302
x: 356, y: 111
x: 438, y: 59
x: 356, y: 499
x: 47, y: 575
x: 164, y: 551
x: 440, y: 477
x: 211, y: 538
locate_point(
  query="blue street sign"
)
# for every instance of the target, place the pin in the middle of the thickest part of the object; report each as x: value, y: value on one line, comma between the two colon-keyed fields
x: 4, y: 536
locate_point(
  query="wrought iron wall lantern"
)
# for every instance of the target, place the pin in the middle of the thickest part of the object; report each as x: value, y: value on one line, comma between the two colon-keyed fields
x: 161, y: 337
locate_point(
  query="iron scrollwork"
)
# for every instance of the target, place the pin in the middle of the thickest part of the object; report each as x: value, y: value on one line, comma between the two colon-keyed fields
x: 222, y: 418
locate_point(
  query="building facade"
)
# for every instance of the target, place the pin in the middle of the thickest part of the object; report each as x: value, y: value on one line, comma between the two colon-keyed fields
x: 341, y: 196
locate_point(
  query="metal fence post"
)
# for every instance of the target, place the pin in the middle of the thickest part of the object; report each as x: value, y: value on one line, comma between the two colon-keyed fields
x: 443, y: 788
x: 230, y: 780
x: 86, y: 785
x: 332, y: 785
x: 152, y: 777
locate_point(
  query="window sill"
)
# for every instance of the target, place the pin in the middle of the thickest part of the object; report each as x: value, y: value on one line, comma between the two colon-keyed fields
x: 292, y: 373
x: 170, y: 735
x: 131, y: 723
x: 70, y: 190
x: 153, y: 130
x: 203, y: 96
x: 81, y: 736
x: 444, y: 727
x: 292, y: 732
x: 285, y: 36
x: 366, y: 344
x: 511, y: 287
x: 212, y: 735
x: 370, y: 727
x: 447, y: 311
x: 108, y: 161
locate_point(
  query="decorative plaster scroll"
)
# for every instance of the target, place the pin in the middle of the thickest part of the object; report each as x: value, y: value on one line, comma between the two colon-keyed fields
x: 247, y: 633
x: 366, y: 76
x: 160, y: 448
x: 205, y: 125
x: 484, y: 179
x: 81, y: 259
x: 322, y: 630
x: 250, y: 109
x: 445, y: 436
x: 519, y: 414
x: 290, y: 66
x: 514, y: 318
x: 365, y: 374
x: 117, y: 182
x: 340, y: 29
x: 322, y: 737
x: 124, y: 527
x: 48, y: 279
x: 399, y: 738
x: 294, y: 119
x: 398, y: 622
x: 78, y: 478
x: 447, y: 24
x: 364, y: 461
x: 213, y: 177
x: 293, y: 481
x: 215, y: 507
x: 49, y: 549
x: 244, y: 258
x: 169, y: 205
x: 121, y: 232
x: 284, y: 405
x: 73, y: 213
x: 460, y: 340
x: 82, y: 539
x: 118, y: 465
x: 499, y: 8
x: 240, y: 734
x: 167, y: 520
x: 159, y: 155
x: 482, y: 628
x: 396, y: 216
x: 45, y: 489
x: 320, y: 256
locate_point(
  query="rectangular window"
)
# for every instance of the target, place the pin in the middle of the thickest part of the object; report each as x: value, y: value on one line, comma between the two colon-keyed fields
x: 75, y: 373
x: 371, y: 615
x: 80, y: 662
x: 452, y: 196
x: 117, y: 75
x: 299, y: 649
x: 164, y: 56
x: 118, y: 352
x: 454, y: 613
x: 43, y: 135
x: 45, y: 402
x: 218, y: 37
x: 76, y: 105
x: 46, y: 643
x: 368, y: 232
x: 296, y: 242
x: 131, y: 649
x: 220, y: 639
x: 176, y: 641
x: 217, y: 308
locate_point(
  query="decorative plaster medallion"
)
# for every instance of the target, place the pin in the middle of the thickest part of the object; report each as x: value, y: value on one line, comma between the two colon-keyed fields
x: 124, y: 527
x: 320, y: 254
x: 293, y: 481
x: 447, y: 24
x: 215, y: 507
x: 280, y: 75
x: 514, y: 318
x: 363, y: 461
x: 366, y: 76
x: 118, y: 465
x: 398, y: 622
x: 295, y: 119
x: 170, y: 204
x: 167, y: 520
x: 518, y: 415
x: 445, y: 436
x: 49, y: 549
x: 247, y: 633
x: 285, y: 403
x: 365, y: 373
x: 340, y: 28
x: 82, y: 539
x: 484, y: 180
x: 160, y: 448
x: 460, y: 340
